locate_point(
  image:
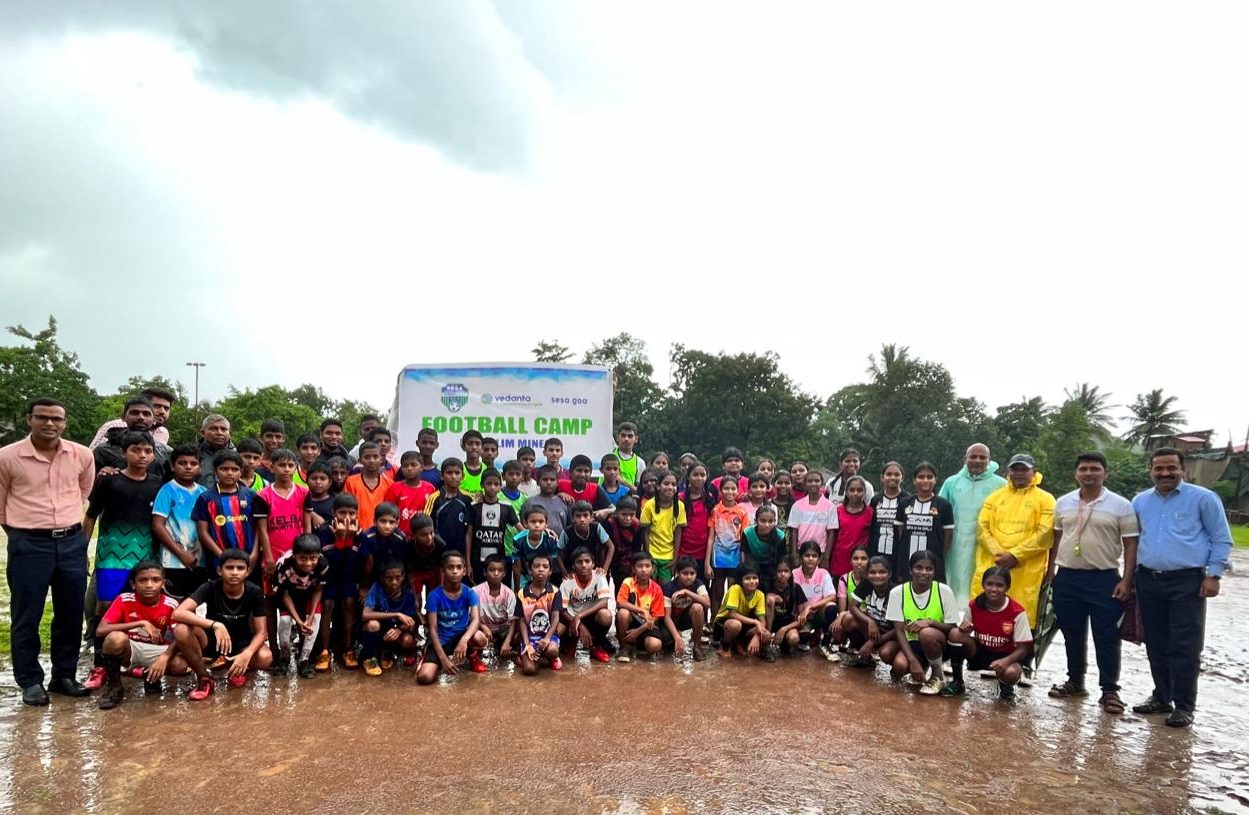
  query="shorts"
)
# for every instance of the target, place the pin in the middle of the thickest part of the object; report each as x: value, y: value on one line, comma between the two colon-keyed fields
x: 918, y: 651
x: 980, y: 660
x: 858, y: 640
x: 431, y: 654
x: 236, y: 644
x: 340, y: 590
x: 497, y: 638
x: 428, y: 580
x: 663, y: 570
x: 534, y: 639
x: 683, y: 619
x: 143, y: 654
x: 717, y: 631
x: 109, y: 583
x: 636, y: 621
x: 780, y: 622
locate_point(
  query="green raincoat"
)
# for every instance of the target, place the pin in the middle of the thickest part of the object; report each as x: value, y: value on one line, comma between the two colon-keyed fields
x: 967, y: 493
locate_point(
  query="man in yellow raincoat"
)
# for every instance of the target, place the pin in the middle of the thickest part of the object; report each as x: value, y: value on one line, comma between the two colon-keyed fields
x: 1017, y: 531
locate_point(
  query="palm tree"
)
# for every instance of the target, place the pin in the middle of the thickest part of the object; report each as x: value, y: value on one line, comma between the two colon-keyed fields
x: 1096, y: 406
x: 1153, y: 415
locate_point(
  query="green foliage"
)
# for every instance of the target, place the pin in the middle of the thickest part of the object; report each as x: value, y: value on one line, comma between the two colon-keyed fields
x: 1019, y: 425
x: 1224, y: 489
x: 1152, y: 415
x: 1096, y: 406
x: 637, y: 397
x: 246, y: 409
x: 1129, y: 469
x: 548, y: 351
x: 1065, y: 435
x: 743, y: 400
x: 43, y: 368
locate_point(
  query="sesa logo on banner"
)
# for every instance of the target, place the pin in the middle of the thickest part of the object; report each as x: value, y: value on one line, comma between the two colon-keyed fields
x: 454, y: 397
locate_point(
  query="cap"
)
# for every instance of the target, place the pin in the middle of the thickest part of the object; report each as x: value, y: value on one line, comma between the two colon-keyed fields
x: 1021, y: 458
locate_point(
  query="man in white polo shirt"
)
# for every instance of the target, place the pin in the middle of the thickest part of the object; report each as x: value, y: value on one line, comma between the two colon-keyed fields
x: 1093, y: 529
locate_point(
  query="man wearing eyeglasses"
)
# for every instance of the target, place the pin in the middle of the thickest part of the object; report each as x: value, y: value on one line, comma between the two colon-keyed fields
x: 44, y: 484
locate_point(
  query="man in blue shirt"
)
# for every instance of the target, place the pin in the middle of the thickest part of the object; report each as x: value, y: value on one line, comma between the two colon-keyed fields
x: 1184, y: 547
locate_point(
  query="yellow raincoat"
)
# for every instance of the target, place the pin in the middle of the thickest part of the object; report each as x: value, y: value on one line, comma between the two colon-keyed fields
x: 1020, y: 522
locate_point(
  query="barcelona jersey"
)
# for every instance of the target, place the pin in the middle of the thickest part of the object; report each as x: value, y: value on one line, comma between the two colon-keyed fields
x: 231, y: 517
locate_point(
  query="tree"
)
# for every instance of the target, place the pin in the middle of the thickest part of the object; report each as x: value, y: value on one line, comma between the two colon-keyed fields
x: 548, y: 351
x: 1096, y: 406
x: 1153, y: 416
x: 637, y: 396
x: 718, y: 400
x: 907, y: 411
x: 1128, y: 469
x: 1065, y: 435
x: 246, y: 409
x: 43, y: 368
x: 1019, y: 425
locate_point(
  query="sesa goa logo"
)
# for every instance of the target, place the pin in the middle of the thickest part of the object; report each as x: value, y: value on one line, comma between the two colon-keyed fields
x: 454, y: 397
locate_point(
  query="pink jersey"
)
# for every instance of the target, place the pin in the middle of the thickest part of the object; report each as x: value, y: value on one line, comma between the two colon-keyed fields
x: 286, y: 517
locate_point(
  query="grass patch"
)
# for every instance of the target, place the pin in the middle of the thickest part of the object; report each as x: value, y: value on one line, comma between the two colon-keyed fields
x: 1240, y: 536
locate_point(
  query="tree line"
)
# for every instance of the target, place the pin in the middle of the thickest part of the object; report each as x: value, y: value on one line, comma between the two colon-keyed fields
x: 905, y: 409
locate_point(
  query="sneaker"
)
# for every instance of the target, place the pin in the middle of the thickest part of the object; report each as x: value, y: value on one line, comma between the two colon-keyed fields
x: 202, y: 690
x: 387, y: 662
x: 371, y: 668
x: 626, y: 654
x: 479, y: 666
x: 135, y: 671
x: 280, y: 667
x: 557, y: 664
x: 932, y: 687
x: 1005, y: 692
x: 830, y: 653
x: 767, y: 655
x: 237, y: 681
x: 323, y: 662
x: 95, y: 679
x: 850, y: 660
x: 409, y: 660
x: 953, y: 688
x: 349, y: 660
x: 803, y: 647
x: 113, y: 695
x: 599, y: 655
x: 306, y: 671
x: 698, y: 653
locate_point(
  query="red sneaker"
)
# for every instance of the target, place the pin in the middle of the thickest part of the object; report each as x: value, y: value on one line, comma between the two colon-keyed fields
x: 203, y: 689
x: 475, y: 662
x: 557, y: 664
x: 599, y: 655
x: 237, y: 681
x: 95, y: 679
x: 409, y: 660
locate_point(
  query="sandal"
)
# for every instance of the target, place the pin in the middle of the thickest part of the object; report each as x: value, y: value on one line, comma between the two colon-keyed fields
x: 1067, y: 690
x: 1111, y: 703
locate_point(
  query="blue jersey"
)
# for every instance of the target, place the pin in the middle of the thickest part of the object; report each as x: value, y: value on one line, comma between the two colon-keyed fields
x: 379, y: 601
x: 175, y: 503
x: 453, y: 613
x: 231, y: 517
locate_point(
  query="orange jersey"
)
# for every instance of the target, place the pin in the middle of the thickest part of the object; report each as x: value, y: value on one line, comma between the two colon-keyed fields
x: 368, y: 499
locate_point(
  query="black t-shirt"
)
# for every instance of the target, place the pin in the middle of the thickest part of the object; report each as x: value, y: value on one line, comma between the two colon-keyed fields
x: 234, y: 613
x: 121, y: 501
x: 883, y: 533
x: 490, y: 524
x: 321, y: 506
x: 787, y: 603
x: 922, y: 525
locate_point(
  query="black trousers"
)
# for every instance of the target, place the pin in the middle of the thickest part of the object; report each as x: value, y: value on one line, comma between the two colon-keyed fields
x: 1174, y: 616
x: 1081, y: 597
x: 37, y: 563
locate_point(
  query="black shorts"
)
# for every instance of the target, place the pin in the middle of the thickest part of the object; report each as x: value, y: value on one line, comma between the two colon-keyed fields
x: 636, y: 622
x: 684, y: 618
x: 497, y: 638
x: 980, y: 660
x: 237, y: 644
x: 431, y: 653
x: 717, y: 631
x: 918, y: 651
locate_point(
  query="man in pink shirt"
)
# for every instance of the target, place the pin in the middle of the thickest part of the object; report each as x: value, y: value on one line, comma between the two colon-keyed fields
x: 44, y: 484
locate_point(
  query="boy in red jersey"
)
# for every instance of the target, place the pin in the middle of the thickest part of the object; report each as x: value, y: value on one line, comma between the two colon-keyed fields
x: 411, y: 492
x: 578, y: 487
x: 136, y: 631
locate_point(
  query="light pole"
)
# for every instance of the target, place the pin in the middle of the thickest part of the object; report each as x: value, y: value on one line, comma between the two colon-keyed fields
x: 197, y: 366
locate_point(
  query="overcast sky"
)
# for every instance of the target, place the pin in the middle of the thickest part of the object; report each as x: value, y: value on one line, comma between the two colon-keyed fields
x: 324, y: 192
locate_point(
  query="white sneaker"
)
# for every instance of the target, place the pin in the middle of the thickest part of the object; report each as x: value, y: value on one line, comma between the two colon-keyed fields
x: 830, y: 653
x: 932, y: 687
x: 803, y: 647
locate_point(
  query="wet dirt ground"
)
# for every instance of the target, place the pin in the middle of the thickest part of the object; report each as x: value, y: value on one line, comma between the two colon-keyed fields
x: 799, y: 736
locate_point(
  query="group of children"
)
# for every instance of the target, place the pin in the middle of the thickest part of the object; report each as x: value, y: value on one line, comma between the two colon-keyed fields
x: 279, y: 556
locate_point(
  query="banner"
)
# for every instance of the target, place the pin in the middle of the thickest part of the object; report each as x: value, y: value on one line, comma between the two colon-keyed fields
x: 521, y: 405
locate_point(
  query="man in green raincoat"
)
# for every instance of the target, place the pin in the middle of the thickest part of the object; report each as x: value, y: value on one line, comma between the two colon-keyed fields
x: 966, y: 490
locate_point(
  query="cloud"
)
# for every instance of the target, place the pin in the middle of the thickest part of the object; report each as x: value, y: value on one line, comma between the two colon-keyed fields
x: 452, y: 74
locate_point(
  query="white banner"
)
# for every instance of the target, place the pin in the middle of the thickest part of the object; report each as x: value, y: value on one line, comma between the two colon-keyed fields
x: 520, y: 404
